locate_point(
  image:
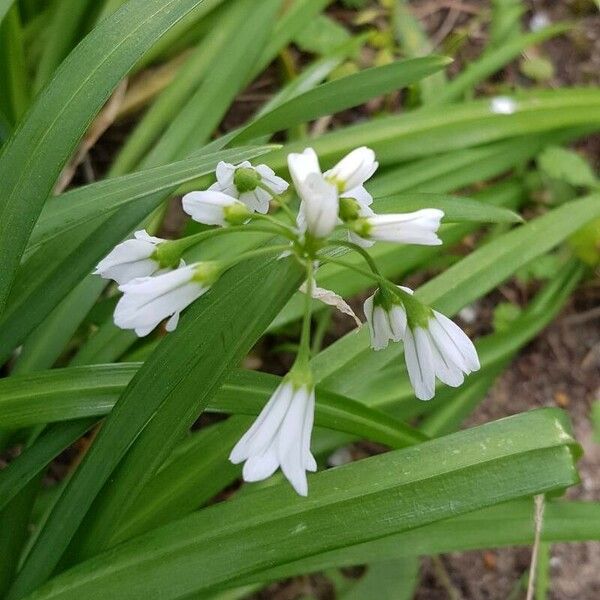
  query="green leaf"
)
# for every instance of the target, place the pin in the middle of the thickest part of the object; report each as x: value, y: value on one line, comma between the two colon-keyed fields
x: 508, y: 524
x: 34, y: 156
x: 321, y: 35
x: 568, y: 166
x: 84, y: 392
x: 363, y: 501
x: 343, y: 93
x: 159, y: 405
x: 78, y: 392
x: 430, y: 130
x: 455, y: 209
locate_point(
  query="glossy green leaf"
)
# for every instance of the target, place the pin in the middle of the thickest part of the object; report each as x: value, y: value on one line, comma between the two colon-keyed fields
x: 33, y: 157
x: 508, y: 524
x: 160, y: 404
x: 370, y: 499
x: 86, y: 392
x: 343, y: 93
x: 430, y: 130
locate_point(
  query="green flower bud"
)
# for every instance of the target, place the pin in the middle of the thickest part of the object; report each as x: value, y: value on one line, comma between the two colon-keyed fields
x: 246, y: 179
x: 236, y: 214
x: 349, y: 209
x: 207, y: 272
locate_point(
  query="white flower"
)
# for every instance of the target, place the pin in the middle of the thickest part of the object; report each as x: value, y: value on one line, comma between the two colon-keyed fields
x: 130, y: 259
x: 215, y: 208
x: 384, y: 324
x: 280, y: 437
x: 147, y: 301
x: 440, y: 349
x: 350, y: 174
x: 344, y: 180
x: 418, y: 227
x: 244, y: 182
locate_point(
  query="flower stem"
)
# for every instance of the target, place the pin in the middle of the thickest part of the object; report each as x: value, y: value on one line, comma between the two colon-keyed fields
x: 360, y: 250
x: 170, y: 252
x: 304, y: 351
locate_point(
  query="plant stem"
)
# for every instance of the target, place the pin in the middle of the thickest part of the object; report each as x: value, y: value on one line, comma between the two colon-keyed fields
x: 304, y: 351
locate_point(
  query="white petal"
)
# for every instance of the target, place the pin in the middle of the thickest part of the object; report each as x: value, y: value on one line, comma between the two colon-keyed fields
x: 143, y: 235
x: 446, y: 370
x: 149, y: 300
x: 419, y: 227
x: 397, y: 318
x: 310, y: 464
x: 275, y: 183
x: 355, y: 168
x: 289, y: 442
x: 301, y: 166
x: 321, y: 206
x: 261, y: 466
x: 207, y: 207
x: 361, y: 195
x: 463, y: 344
x: 224, y: 173
x: 381, y: 329
x: 173, y: 322
x: 264, y: 430
x: 419, y: 363
x: 126, y: 272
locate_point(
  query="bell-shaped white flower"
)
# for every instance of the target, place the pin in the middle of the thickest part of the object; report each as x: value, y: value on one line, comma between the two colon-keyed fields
x: 131, y: 259
x: 419, y: 227
x: 280, y: 437
x: 254, y: 186
x: 215, y: 208
x: 385, y: 322
x: 147, y: 301
x: 350, y: 174
x: 437, y: 348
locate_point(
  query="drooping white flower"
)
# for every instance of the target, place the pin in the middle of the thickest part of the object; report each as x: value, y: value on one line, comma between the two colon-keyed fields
x: 385, y: 323
x: 437, y: 348
x: 215, y: 208
x: 131, y: 259
x: 280, y: 437
x: 419, y: 227
x: 147, y: 301
x: 247, y: 184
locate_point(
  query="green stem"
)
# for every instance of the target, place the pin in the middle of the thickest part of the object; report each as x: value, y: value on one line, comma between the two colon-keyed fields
x: 304, y: 351
x: 170, y: 252
x: 360, y: 250
x: 368, y: 274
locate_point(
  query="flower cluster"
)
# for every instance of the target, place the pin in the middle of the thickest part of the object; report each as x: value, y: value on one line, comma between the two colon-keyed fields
x: 157, y: 285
